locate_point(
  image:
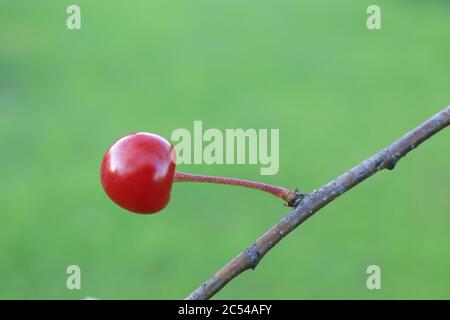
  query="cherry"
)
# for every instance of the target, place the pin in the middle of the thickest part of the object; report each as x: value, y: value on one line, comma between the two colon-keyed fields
x: 137, y: 173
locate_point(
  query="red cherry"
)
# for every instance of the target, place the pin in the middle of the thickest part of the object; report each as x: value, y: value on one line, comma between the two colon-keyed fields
x: 137, y: 172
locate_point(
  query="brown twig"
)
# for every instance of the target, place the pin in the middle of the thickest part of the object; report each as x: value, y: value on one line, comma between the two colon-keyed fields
x: 312, y: 202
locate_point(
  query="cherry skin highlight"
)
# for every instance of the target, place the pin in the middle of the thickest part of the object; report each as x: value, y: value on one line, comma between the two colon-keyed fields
x: 137, y: 172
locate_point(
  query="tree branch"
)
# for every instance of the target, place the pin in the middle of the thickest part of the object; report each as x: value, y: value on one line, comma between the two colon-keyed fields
x: 312, y: 202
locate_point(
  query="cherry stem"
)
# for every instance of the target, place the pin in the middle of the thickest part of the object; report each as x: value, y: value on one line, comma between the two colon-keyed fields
x: 292, y: 197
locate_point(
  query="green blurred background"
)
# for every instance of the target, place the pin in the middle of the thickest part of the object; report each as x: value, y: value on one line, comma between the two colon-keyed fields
x: 337, y: 91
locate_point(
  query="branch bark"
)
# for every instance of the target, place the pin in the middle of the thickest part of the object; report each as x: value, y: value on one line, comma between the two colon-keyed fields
x: 386, y: 158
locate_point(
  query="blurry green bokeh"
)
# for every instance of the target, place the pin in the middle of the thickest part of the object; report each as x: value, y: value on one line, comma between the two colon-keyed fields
x: 337, y: 91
